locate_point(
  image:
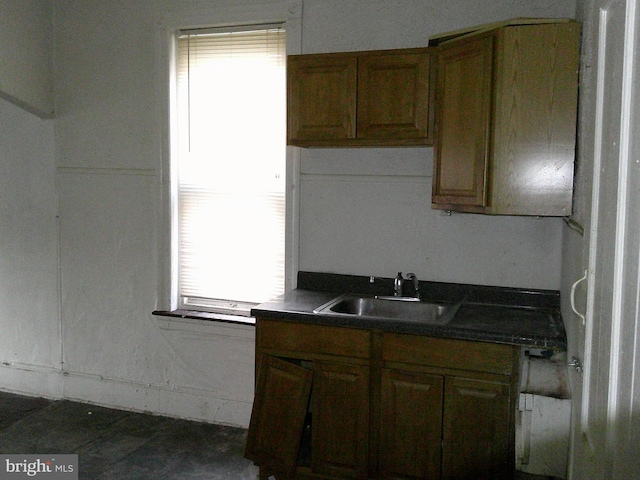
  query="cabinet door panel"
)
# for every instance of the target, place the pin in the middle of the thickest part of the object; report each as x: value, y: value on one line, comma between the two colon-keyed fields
x: 393, y: 96
x: 411, y: 425
x: 321, y: 103
x: 477, y: 428
x: 535, y: 119
x: 340, y: 412
x: 463, y: 101
x: 277, y: 419
x: 292, y: 338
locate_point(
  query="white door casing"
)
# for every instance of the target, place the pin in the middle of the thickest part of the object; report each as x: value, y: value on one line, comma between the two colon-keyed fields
x: 606, y: 441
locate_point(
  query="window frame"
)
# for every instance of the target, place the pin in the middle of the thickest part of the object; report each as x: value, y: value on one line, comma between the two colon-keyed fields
x: 287, y: 13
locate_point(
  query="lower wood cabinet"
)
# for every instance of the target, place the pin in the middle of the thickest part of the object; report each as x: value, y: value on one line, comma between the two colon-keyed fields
x: 279, y: 412
x: 477, y: 429
x: 411, y: 425
x: 380, y: 405
x: 340, y: 412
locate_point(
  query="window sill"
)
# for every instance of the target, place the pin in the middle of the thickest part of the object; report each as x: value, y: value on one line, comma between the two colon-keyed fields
x: 207, y: 316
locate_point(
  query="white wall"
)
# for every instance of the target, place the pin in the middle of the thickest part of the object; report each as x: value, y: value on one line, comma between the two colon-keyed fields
x: 30, y: 346
x: 26, y: 55
x: 364, y: 211
x: 368, y: 211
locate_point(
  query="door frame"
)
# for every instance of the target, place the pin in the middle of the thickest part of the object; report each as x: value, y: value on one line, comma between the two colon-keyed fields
x: 605, y: 439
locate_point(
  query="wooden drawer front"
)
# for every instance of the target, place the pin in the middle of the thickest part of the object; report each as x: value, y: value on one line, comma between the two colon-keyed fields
x: 318, y: 339
x: 447, y: 353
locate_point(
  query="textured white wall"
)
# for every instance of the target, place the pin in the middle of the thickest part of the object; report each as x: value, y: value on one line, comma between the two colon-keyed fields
x: 29, y: 313
x: 335, y: 25
x: 26, y: 54
x: 364, y: 211
x: 368, y: 212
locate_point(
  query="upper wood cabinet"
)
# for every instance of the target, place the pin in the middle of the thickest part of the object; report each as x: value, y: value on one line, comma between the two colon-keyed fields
x: 374, y: 98
x: 321, y: 98
x: 506, y: 103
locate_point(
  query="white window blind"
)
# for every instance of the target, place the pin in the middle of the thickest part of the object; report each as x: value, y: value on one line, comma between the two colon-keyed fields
x: 231, y: 102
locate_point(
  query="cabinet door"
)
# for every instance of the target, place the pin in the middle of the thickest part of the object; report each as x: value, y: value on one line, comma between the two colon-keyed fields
x: 321, y: 98
x: 393, y: 96
x: 340, y: 412
x: 410, y: 425
x: 463, y: 108
x: 477, y: 428
x: 277, y: 418
x: 534, y: 121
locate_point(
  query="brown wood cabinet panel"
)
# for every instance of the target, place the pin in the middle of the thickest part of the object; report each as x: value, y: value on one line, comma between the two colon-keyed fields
x: 321, y: 97
x: 448, y: 353
x: 277, y: 419
x: 411, y: 425
x: 393, y: 96
x: 535, y: 119
x: 340, y: 412
x: 477, y: 430
x: 506, y: 105
x: 462, y: 123
x: 354, y: 99
x: 313, y: 339
x: 382, y: 405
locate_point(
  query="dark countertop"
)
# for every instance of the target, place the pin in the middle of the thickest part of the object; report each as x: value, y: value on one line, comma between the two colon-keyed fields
x: 524, y: 317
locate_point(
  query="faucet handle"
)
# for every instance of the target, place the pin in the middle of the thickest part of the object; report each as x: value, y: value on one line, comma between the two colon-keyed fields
x: 416, y: 283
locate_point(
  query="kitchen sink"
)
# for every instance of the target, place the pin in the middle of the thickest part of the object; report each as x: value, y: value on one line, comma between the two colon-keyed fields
x: 389, y: 308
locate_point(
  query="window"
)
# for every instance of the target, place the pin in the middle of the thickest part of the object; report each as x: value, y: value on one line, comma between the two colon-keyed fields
x: 230, y: 167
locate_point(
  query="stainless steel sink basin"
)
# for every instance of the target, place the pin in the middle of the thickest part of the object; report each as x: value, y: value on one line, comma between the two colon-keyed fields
x: 389, y: 308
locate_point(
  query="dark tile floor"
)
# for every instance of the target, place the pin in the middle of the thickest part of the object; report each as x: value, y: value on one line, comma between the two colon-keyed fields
x: 119, y: 445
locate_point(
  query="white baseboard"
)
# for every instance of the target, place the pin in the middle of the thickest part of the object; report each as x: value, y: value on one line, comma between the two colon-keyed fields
x: 31, y: 380
x: 173, y: 401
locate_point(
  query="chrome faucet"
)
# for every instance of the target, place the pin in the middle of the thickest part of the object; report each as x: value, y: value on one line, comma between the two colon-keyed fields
x: 397, y: 285
x: 416, y: 284
x: 397, y: 289
x: 399, y: 281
